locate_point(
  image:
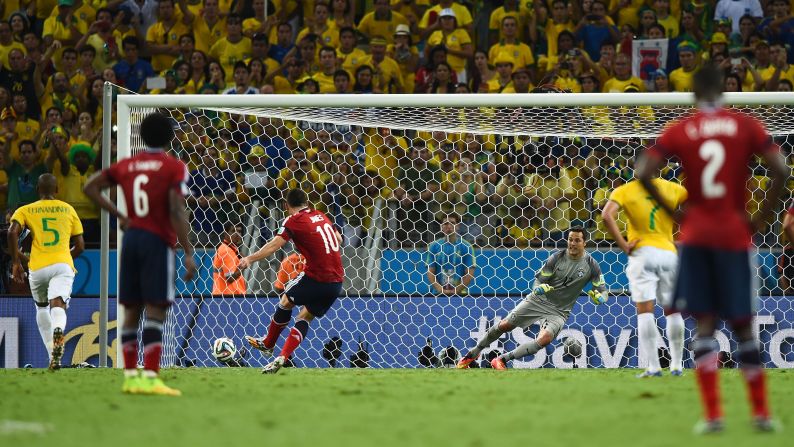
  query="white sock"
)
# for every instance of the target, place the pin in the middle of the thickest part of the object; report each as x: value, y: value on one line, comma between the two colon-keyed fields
x: 647, y: 333
x: 675, y: 336
x: 58, y: 315
x: 44, y: 322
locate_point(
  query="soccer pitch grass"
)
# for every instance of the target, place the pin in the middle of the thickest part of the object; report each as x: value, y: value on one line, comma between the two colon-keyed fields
x: 347, y: 407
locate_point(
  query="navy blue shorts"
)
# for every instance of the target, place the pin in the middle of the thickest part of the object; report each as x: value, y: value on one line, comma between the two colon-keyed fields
x: 716, y: 282
x: 147, y: 269
x: 316, y: 296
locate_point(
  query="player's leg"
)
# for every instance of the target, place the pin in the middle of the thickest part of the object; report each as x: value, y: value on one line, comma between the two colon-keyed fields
x: 38, y: 288
x: 643, y: 284
x: 491, y: 335
x: 697, y: 293
x: 278, y: 322
x: 674, y: 321
x: 316, y: 299
x: 551, y: 326
x: 59, y: 291
x: 129, y: 347
x: 739, y: 299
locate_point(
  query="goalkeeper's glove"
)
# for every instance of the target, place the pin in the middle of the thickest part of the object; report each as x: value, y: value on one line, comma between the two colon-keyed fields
x: 542, y: 289
x: 597, y: 297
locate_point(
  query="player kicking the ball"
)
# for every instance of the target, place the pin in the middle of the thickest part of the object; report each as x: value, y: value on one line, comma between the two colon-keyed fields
x: 316, y: 288
x: 557, y: 286
x: 716, y: 274
x: 154, y: 186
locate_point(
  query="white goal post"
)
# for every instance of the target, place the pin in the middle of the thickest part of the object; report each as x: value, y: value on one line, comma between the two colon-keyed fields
x: 562, y: 152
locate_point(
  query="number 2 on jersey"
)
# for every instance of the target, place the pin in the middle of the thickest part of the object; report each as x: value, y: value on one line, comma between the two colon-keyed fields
x: 329, y: 237
x: 713, y: 153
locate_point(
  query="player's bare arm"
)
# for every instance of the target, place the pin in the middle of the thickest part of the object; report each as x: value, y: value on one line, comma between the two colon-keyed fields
x: 779, y: 173
x: 271, y: 247
x: 788, y: 226
x: 431, y: 276
x: 610, y: 215
x: 179, y: 219
x: 77, y: 246
x: 93, y: 189
x: 17, y: 271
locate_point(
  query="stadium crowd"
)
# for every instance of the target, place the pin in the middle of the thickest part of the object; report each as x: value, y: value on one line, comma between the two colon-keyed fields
x: 509, y: 191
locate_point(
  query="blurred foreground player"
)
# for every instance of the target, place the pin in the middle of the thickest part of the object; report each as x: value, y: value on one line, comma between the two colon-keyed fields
x: 716, y: 277
x: 154, y: 185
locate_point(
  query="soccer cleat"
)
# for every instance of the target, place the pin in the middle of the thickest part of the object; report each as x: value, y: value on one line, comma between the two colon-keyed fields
x: 57, y: 349
x: 708, y: 427
x: 767, y: 425
x: 646, y: 374
x: 676, y: 372
x: 464, y: 362
x: 154, y: 386
x: 258, y: 344
x: 274, y: 366
x: 132, y: 385
x: 498, y: 363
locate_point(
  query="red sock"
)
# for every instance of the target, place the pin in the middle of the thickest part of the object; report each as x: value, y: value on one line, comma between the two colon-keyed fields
x: 273, y: 331
x: 130, y: 350
x: 151, y: 357
x: 708, y: 380
x: 293, y: 340
x: 756, y: 390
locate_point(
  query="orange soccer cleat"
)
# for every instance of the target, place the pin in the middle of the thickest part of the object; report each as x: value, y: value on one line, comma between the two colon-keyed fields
x: 498, y: 363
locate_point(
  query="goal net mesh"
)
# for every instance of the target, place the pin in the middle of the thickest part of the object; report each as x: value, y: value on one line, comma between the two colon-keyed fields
x: 517, y: 179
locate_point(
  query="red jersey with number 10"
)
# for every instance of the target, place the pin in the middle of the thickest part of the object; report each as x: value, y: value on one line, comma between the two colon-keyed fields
x: 146, y: 180
x: 715, y: 149
x: 314, y: 237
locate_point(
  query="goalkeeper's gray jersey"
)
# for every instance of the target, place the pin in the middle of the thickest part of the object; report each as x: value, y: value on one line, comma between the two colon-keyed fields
x: 568, y: 276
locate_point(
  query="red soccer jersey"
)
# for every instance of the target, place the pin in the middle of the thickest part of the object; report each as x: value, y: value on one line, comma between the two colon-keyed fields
x: 146, y: 180
x: 315, y: 238
x: 715, y: 149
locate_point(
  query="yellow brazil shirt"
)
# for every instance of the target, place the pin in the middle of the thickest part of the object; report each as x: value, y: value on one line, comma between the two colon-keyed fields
x: 522, y: 16
x: 369, y: 26
x: 681, y: 80
x: 329, y: 37
x: 70, y: 190
x: 455, y: 41
x: 5, y: 49
x: 387, y: 74
x: 646, y: 220
x: 159, y: 33
x: 520, y: 52
x: 351, y: 60
x: 614, y: 85
x: 59, y: 30
x: 207, y: 35
x: 52, y: 223
x: 462, y: 15
x: 229, y: 53
x: 326, y: 82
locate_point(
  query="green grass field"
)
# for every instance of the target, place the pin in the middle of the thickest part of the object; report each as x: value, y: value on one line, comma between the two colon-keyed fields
x: 321, y: 407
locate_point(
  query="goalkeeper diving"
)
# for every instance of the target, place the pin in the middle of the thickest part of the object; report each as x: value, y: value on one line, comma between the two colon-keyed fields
x: 557, y: 286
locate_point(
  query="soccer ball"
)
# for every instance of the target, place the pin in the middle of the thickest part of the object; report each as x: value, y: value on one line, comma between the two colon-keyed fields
x: 572, y: 347
x: 223, y: 349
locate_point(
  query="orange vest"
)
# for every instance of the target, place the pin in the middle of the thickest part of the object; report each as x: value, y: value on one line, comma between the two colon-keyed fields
x: 225, y: 262
x: 290, y: 268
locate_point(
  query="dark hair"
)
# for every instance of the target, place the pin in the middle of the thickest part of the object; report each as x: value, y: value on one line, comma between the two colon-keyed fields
x: 296, y: 197
x: 580, y: 230
x: 233, y: 17
x: 327, y: 48
x: 659, y: 26
x: 231, y: 226
x: 241, y: 64
x: 707, y: 83
x: 189, y: 36
x: 129, y: 40
x: 92, y: 50
x: 69, y: 50
x: 347, y: 29
x: 342, y: 72
x: 260, y: 37
x: 30, y: 142
x: 156, y: 130
x: 450, y: 216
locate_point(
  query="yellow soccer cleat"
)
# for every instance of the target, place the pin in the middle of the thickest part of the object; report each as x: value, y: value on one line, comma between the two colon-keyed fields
x: 154, y: 386
x: 132, y: 385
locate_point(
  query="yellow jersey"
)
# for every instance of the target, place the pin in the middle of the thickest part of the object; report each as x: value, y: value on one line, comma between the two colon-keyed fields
x: 228, y: 54
x: 454, y: 41
x: 681, y: 80
x: 646, y: 220
x: 52, y: 223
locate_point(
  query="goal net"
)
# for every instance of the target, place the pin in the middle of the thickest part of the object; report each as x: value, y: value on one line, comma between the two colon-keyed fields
x: 516, y: 172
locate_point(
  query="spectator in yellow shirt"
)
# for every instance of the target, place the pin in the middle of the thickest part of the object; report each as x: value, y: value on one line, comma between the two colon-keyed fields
x: 162, y: 37
x: 406, y: 55
x: 348, y: 56
x: 328, y: 34
x: 511, y: 8
x: 430, y: 20
x: 456, y: 40
x: 325, y: 77
x: 382, y: 21
x: 386, y: 74
x: 520, y: 52
x: 341, y: 81
x: 64, y: 27
x: 7, y: 43
x: 208, y: 27
x: 681, y: 78
x: 232, y: 48
x: 504, y: 71
x: 623, y: 77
